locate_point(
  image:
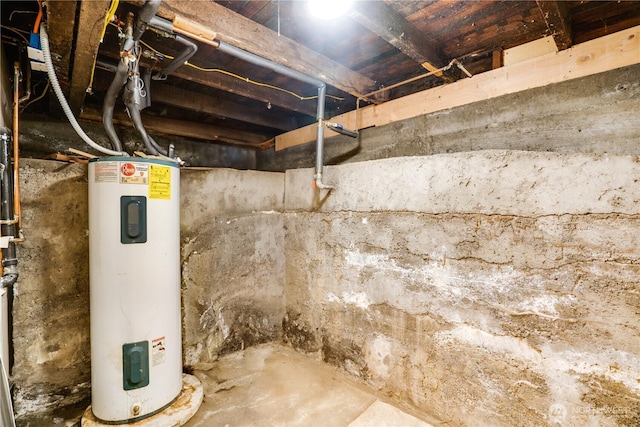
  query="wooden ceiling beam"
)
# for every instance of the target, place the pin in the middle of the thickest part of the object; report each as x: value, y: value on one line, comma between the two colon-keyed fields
x: 197, y: 102
x: 203, y: 131
x: 182, y: 128
x: 236, y: 86
x: 60, y: 21
x: 381, y: 19
x: 90, y: 23
x: 194, y: 101
x: 252, y: 37
x: 61, y: 17
x: 242, y: 88
x: 556, y: 16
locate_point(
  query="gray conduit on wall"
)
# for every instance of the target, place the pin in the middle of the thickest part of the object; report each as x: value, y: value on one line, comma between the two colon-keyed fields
x: 322, y: 87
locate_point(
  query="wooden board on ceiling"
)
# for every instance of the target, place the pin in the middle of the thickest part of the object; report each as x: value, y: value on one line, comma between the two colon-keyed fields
x: 606, y: 53
x: 529, y: 50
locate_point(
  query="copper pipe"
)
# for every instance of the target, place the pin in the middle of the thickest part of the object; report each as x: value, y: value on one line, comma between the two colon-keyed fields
x: 201, y: 39
x: 16, y: 170
x: 186, y: 25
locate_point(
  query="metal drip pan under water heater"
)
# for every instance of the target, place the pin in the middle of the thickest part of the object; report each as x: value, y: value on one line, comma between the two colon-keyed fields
x: 134, y: 246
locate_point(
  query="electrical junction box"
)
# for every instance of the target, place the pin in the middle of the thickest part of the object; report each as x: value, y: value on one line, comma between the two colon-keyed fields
x: 34, y: 51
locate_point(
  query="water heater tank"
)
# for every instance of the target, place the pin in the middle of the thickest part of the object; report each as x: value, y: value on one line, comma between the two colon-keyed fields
x: 134, y: 244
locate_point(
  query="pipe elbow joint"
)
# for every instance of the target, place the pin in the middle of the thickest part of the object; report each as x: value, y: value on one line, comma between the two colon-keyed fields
x: 317, y: 183
x: 8, y: 280
x: 10, y: 276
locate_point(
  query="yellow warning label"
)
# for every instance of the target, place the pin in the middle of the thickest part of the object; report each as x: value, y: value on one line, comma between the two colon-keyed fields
x: 159, y: 182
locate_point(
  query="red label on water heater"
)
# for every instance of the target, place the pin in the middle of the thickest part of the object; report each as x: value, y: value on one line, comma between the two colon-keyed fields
x: 128, y: 169
x: 134, y: 173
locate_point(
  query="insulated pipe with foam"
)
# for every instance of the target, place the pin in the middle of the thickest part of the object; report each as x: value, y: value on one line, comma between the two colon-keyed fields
x: 147, y: 12
x: 132, y: 101
x: 190, y: 49
x: 122, y: 72
x: 8, y: 221
x: 273, y: 66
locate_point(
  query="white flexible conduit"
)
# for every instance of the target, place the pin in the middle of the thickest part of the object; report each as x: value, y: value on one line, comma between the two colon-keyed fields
x: 63, y: 102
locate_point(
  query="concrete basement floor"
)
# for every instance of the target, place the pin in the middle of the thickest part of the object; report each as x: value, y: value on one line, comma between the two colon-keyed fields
x: 273, y: 385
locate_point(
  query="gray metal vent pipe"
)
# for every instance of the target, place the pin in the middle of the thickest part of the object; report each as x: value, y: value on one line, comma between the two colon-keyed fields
x: 322, y: 87
x: 258, y: 60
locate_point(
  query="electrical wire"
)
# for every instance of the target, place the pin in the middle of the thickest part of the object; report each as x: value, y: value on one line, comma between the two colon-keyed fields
x: 19, y: 11
x: 107, y: 20
x: 239, y: 77
x: 248, y: 80
x: 44, y: 92
x: 151, y: 48
x: 17, y: 31
x: 36, y: 25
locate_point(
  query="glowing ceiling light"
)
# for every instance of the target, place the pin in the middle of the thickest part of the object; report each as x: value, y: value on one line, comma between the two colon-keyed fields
x: 328, y: 9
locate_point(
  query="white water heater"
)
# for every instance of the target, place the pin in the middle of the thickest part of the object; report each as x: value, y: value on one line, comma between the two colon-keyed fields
x: 134, y: 247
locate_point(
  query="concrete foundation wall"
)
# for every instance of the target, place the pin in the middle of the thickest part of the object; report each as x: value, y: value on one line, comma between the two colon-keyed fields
x: 232, y: 261
x: 232, y: 277
x: 492, y: 288
x: 51, y: 303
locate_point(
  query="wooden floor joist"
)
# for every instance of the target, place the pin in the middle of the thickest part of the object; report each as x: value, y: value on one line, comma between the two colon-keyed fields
x: 606, y: 53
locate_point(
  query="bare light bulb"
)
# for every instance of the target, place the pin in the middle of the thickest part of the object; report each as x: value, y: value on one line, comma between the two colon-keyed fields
x: 328, y: 9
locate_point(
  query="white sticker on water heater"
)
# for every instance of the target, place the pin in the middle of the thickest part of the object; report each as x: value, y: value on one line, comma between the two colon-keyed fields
x: 106, y: 172
x: 158, y: 351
